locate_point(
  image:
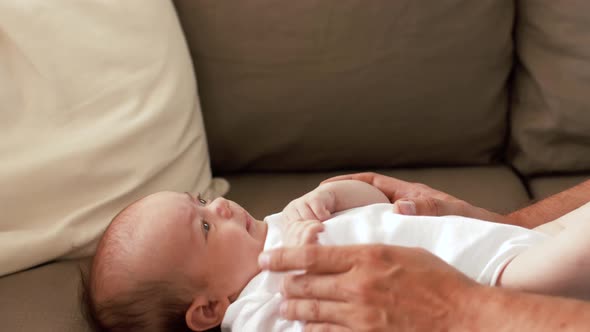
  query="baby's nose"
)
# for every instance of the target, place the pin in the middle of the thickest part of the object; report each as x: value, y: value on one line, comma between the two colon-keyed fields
x: 222, y: 208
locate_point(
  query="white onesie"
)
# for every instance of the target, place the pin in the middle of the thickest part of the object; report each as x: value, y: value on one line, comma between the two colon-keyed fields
x: 480, y: 249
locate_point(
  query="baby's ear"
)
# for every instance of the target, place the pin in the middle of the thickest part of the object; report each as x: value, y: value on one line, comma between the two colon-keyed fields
x: 205, y: 314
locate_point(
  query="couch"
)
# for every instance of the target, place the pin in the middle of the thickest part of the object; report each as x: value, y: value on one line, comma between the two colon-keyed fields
x: 486, y: 100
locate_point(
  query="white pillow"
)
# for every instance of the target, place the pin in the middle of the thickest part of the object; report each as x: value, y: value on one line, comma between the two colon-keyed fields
x: 98, y: 107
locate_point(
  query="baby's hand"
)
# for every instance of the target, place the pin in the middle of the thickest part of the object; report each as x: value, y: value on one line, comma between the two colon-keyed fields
x: 317, y: 204
x: 299, y: 233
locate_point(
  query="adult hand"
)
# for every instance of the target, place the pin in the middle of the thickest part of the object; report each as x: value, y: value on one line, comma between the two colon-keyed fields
x: 419, y: 199
x: 370, y: 288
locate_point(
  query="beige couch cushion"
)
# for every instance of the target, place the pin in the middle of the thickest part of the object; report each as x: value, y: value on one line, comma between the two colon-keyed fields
x: 551, y: 103
x: 289, y: 85
x: 98, y: 108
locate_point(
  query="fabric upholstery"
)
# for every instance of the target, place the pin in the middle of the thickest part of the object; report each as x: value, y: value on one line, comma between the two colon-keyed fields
x: 308, y: 85
x: 551, y: 103
x: 545, y: 186
x: 43, y: 299
x: 98, y: 109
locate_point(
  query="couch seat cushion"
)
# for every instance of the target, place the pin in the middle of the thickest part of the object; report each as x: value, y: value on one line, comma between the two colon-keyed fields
x: 44, y: 298
x: 545, y: 186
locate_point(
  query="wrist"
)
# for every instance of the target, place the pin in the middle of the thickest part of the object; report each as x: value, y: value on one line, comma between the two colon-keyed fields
x: 514, y: 218
x: 468, y: 210
x: 506, y: 310
x: 495, y: 217
x: 467, y: 308
x: 485, y: 308
x: 480, y: 310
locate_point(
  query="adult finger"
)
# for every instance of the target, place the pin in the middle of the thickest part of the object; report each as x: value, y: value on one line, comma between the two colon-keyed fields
x: 393, y: 188
x: 405, y: 206
x: 365, y: 177
x: 317, y: 311
x: 428, y: 206
x: 325, y: 327
x: 312, y: 258
x: 313, y: 286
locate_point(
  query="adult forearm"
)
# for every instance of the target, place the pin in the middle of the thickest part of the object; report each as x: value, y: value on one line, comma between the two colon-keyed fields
x: 503, y: 310
x: 551, y: 208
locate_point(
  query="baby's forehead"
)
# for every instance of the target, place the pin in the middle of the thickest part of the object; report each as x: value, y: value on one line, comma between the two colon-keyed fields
x: 121, y: 235
x: 128, y: 218
x: 148, y: 207
x: 152, y: 219
x: 143, y: 226
x: 162, y: 201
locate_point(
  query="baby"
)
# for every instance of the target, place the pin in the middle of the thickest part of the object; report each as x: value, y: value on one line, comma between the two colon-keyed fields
x: 174, y: 262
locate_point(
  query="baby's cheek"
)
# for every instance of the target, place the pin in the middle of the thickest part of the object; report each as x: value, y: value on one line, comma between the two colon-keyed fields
x: 241, y: 245
x: 241, y: 260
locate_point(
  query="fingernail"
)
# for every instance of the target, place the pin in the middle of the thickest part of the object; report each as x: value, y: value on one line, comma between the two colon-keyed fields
x: 407, y: 207
x: 263, y: 260
x: 283, y: 308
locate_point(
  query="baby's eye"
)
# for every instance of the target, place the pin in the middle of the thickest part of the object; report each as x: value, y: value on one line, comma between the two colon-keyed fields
x: 201, y: 200
x: 206, y: 226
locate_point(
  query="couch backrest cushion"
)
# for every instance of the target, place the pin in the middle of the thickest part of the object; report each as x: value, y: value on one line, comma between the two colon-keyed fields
x: 551, y: 100
x: 97, y: 109
x: 300, y: 85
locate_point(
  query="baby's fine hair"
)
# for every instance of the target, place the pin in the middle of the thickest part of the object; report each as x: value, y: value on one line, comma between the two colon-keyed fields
x: 151, y: 306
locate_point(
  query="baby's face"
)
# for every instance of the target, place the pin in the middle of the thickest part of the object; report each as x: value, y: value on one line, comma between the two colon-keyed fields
x: 191, y: 240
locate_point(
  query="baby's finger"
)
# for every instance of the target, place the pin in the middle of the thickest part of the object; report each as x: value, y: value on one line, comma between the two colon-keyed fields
x: 305, y: 224
x: 291, y: 213
x: 306, y: 212
x: 428, y: 206
x: 310, y: 235
x: 319, y: 209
